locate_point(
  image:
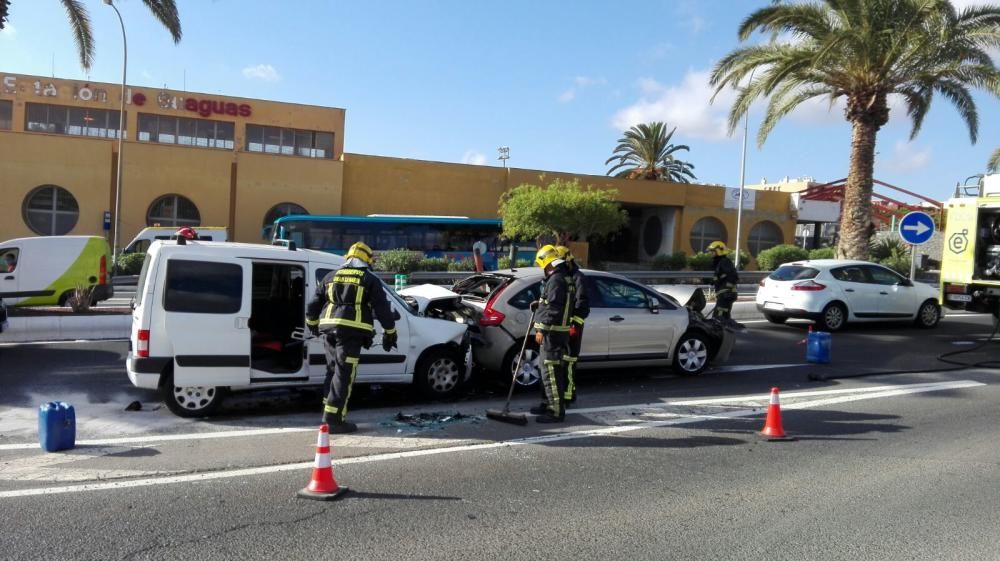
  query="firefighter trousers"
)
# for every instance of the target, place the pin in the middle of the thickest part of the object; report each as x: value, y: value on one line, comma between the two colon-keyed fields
x: 724, y: 299
x: 572, y: 358
x: 343, y: 354
x: 555, y: 352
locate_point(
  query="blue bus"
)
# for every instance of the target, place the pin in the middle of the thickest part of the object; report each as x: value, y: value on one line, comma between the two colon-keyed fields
x: 451, y: 237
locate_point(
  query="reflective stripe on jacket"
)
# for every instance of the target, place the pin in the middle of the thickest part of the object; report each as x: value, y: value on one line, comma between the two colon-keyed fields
x: 558, y: 297
x: 350, y: 298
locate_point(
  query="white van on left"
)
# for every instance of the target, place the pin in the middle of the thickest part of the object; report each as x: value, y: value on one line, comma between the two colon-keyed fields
x: 45, y: 270
x: 211, y: 317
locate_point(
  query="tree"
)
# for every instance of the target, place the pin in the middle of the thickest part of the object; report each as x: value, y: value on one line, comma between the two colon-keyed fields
x: 163, y: 10
x: 562, y: 209
x: 994, y: 164
x: 863, y: 51
x: 646, y: 152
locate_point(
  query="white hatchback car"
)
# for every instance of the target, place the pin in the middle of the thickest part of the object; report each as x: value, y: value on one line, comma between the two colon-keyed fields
x: 833, y: 292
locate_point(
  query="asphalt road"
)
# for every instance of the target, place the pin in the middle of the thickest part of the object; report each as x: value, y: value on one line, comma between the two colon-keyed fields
x: 649, y: 466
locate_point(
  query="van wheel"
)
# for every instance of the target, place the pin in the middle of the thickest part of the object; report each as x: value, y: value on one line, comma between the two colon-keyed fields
x: 439, y: 373
x: 191, y: 401
x: 64, y: 299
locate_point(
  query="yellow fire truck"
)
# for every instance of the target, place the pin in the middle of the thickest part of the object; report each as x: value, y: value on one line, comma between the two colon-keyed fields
x: 970, y: 264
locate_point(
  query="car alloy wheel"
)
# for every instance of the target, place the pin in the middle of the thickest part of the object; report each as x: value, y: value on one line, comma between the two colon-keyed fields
x: 929, y: 314
x: 529, y: 374
x: 834, y: 316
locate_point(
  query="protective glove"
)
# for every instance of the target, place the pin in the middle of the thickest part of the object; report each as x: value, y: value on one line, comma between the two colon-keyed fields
x: 389, y: 341
x: 539, y: 337
x: 573, y: 333
x: 534, y: 305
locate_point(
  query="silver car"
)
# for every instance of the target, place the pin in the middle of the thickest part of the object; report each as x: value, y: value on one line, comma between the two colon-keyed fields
x: 629, y: 325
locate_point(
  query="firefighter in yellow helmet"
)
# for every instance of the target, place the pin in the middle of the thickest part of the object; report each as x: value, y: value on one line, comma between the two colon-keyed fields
x: 581, y: 309
x: 553, y: 314
x: 346, y: 302
x: 726, y: 279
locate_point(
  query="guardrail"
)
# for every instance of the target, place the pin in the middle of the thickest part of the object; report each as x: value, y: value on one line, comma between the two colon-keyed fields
x: 646, y: 277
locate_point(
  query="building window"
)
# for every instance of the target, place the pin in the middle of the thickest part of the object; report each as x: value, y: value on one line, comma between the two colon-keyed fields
x: 76, y: 121
x: 276, y: 212
x: 173, y: 210
x: 764, y: 235
x: 6, y: 114
x: 187, y: 132
x: 50, y: 210
x: 706, y: 231
x: 289, y: 142
x: 652, y: 236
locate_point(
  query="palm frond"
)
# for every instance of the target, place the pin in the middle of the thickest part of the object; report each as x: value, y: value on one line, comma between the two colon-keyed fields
x: 994, y: 164
x: 165, y: 11
x: 79, y: 20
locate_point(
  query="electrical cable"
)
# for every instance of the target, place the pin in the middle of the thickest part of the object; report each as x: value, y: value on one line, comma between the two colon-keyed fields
x: 943, y: 357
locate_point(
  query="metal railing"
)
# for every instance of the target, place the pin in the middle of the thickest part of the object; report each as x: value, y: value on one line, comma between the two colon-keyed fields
x: 645, y: 277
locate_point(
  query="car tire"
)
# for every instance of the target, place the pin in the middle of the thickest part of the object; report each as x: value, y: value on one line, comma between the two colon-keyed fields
x: 833, y: 317
x: 692, y: 354
x: 439, y: 373
x: 531, y: 374
x: 928, y: 315
x: 775, y: 319
x: 193, y: 401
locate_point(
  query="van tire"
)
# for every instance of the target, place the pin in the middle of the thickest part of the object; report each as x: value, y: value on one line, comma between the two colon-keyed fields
x: 439, y: 373
x: 64, y: 298
x: 191, y: 402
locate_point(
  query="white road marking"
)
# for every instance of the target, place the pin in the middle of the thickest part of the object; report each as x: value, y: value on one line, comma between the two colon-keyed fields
x: 794, y: 394
x: 589, y: 433
x: 66, y: 342
x: 167, y: 437
x: 748, y: 367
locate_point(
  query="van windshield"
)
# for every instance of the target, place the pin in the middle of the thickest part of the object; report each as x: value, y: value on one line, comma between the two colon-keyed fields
x: 140, y: 287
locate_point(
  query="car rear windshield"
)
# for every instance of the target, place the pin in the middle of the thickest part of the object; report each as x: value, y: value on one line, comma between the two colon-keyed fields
x: 479, y: 286
x: 203, y: 287
x: 793, y: 272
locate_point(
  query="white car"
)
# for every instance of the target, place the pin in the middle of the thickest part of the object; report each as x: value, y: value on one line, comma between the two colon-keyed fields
x: 833, y: 292
x: 213, y: 317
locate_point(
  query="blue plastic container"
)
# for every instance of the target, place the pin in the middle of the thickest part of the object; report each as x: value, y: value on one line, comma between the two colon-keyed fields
x: 818, y: 347
x: 56, y: 426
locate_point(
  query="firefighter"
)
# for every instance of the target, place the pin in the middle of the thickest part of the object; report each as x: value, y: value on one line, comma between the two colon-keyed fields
x: 553, y: 314
x: 726, y: 280
x: 342, y: 311
x: 581, y: 309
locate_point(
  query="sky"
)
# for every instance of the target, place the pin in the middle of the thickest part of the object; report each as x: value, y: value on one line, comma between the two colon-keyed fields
x: 452, y: 80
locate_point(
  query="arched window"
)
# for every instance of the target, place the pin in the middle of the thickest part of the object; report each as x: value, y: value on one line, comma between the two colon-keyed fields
x: 706, y: 231
x: 50, y: 210
x: 173, y: 210
x: 764, y: 235
x: 276, y: 212
x: 652, y: 236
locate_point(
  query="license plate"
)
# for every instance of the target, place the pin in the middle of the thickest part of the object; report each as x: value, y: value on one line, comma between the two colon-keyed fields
x: 774, y: 306
x: 959, y: 298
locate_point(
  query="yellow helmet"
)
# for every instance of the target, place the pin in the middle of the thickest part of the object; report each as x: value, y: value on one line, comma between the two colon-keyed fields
x: 563, y: 253
x: 361, y: 251
x: 546, y: 255
x: 718, y: 248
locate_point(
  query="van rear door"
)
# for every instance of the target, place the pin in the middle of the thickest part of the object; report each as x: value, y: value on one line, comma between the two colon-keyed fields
x: 206, y: 306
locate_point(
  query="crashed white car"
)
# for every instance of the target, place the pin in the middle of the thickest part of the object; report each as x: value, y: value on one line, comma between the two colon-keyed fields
x: 211, y: 317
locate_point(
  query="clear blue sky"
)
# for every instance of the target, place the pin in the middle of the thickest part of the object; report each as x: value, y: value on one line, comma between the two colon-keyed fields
x: 452, y: 80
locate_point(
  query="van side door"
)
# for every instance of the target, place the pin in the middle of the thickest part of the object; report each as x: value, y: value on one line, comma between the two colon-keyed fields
x: 9, y: 274
x: 206, y: 309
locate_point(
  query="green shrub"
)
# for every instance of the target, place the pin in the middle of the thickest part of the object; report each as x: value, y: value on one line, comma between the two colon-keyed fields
x: 130, y: 263
x: 899, y: 263
x: 399, y: 261
x: 889, y: 246
x: 433, y: 264
x: 771, y: 259
x: 701, y: 261
x: 673, y: 262
x: 504, y: 263
x: 461, y: 265
x: 821, y: 253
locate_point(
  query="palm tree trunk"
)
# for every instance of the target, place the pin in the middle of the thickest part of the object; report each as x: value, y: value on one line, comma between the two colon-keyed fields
x: 855, y: 217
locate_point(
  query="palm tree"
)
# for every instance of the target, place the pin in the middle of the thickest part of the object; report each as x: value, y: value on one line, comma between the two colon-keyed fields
x: 864, y: 50
x: 646, y: 152
x: 994, y: 164
x: 163, y: 10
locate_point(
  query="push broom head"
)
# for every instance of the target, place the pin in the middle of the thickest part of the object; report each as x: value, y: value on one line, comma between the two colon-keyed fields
x: 505, y: 416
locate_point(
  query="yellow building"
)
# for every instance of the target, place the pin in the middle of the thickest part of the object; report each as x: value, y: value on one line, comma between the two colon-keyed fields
x: 202, y: 159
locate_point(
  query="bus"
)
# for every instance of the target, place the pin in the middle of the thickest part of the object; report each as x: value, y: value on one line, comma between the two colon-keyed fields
x: 450, y: 237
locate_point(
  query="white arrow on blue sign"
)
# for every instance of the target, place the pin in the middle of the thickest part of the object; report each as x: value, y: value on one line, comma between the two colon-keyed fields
x: 916, y: 228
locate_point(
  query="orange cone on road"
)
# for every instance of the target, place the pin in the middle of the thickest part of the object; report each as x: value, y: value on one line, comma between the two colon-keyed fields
x: 322, y: 486
x: 772, y: 425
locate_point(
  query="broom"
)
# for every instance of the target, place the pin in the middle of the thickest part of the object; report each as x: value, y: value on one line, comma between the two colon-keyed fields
x: 504, y: 415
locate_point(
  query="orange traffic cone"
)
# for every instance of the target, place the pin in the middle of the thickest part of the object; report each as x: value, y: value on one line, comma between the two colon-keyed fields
x: 322, y: 486
x: 772, y: 425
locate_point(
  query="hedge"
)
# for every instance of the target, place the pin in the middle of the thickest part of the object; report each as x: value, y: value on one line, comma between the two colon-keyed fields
x: 771, y: 259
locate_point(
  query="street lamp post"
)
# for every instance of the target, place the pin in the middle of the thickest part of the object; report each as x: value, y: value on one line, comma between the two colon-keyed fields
x: 743, y: 175
x: 121, y: 137
x: 504, y: 152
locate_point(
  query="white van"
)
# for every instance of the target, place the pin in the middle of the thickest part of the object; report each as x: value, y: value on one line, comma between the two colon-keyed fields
x: 140, y: 243
x: 212, y: 317
x: 45, y: 270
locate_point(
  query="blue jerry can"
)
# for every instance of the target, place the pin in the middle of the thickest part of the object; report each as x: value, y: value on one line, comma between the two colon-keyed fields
x: 56, y: 426
x: 818, y: 347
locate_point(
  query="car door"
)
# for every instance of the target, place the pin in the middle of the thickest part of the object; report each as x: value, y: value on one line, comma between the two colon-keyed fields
x: 206, y: 306
x: 9, y: 275
x: 635, y: 332
x: 857, y: 288
x: 897, y: 296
